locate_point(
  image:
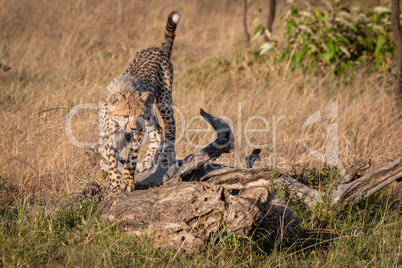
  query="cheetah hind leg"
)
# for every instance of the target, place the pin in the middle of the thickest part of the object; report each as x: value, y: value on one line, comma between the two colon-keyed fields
x: 168, y: 156
x: 154, y: 136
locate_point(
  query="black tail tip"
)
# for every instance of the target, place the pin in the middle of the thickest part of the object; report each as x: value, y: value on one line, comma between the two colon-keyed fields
x: 174, y: 16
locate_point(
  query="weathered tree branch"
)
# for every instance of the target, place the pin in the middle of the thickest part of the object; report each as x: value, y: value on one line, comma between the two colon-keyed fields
x: 367, y: 185
x: 254, y: 156
x: 350, y: 172
x: 342, y: 194
x: 224, y: 143
x: 240, y: 178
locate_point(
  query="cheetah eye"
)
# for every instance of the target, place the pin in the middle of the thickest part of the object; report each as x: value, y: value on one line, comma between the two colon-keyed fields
x: 125, y: 116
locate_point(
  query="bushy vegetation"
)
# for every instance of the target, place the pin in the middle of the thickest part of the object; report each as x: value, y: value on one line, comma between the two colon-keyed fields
x: 337, y: 39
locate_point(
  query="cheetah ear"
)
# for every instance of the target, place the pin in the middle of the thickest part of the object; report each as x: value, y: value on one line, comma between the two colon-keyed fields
x: 144, y: 96
x: 117, y: 97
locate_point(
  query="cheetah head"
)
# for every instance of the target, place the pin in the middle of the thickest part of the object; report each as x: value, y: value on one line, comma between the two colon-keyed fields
x: 127, y: 109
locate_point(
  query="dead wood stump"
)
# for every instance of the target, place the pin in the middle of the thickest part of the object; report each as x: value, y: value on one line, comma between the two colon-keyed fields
x: 183, y: 216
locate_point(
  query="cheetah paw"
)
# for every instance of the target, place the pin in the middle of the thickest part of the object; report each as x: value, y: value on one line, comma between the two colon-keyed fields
x: 147, y: 163
x: 168, y: 158
x: 125, y: 188
x: 111, y: 196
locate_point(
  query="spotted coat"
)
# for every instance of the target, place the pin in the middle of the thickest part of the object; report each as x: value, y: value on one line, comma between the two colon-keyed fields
x: 127, y: 110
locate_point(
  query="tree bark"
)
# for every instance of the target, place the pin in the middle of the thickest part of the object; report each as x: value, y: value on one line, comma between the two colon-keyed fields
x: 397, y: 65
x: 367, y: 185
x: 271, y: 17
x: 183, y: 216
x: 224, y: 143
x: 240, y: 178
x: 342, y: 194
x: 245, y: 21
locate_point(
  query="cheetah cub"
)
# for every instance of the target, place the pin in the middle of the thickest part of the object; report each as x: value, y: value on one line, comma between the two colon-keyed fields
x: 127, y: 111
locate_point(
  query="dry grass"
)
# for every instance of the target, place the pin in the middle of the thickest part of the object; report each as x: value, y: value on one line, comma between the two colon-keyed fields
x: 63, y: 53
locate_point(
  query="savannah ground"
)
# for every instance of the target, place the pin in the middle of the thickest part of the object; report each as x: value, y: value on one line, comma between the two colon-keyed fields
x: 64, y: 53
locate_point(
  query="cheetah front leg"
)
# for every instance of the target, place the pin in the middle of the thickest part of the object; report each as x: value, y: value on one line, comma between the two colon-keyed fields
x: 102, y: 127
x: 131, y: 162
x: 154, y: 133
x: 112, y: 155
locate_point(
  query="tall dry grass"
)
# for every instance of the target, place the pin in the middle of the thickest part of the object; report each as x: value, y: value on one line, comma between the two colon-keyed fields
x: 64, y: 53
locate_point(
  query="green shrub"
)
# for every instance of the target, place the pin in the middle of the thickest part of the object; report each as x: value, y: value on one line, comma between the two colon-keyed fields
x: 338, y: 38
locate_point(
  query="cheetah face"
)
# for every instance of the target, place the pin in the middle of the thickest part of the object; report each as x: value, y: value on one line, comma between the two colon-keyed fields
x: 127, y: 110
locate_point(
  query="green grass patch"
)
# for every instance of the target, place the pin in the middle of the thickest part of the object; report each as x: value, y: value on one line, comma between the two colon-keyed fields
x: 367, y: 233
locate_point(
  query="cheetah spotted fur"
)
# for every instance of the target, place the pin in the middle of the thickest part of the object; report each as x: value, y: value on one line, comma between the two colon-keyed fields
x: 127, y: 110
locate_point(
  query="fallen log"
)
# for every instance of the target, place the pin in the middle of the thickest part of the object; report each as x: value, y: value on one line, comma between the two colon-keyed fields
x: 241, y: 178
x: 187, y: 215
x: 343, y: 193
x: 184, y: 215
x: 367, y: 185
x: 198, y: 167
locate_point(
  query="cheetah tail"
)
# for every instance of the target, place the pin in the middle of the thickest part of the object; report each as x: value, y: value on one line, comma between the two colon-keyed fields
x: 171, y: 25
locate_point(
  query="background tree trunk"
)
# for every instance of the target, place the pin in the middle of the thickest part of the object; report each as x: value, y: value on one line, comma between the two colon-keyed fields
x: 245, y: 21
x: 397, y: 65
x: 271, y: 17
